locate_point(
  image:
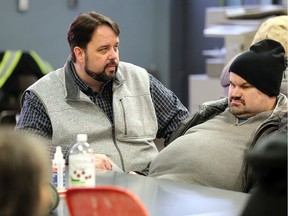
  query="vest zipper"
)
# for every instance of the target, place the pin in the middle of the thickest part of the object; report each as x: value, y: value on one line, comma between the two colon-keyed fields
x: 117, y: 147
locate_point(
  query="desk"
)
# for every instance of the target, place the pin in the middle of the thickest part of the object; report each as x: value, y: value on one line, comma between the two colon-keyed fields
x: 167, y: 198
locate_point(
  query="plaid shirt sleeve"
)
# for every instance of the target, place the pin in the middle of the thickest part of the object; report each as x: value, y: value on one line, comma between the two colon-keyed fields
x: 169, y: 109
x: 33, y: 117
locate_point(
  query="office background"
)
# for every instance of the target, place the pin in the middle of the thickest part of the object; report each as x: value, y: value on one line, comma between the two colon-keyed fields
x: 164, y: 36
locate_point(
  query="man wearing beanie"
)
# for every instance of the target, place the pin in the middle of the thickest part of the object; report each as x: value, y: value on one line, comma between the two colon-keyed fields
x: 274, y: 28
x: 209, y: 147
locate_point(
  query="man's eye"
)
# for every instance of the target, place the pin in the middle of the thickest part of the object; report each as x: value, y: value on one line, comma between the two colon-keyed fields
x: 103, y: 49
x: 246, y: 87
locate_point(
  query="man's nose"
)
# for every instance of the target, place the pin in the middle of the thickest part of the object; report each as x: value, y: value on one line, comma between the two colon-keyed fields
x: 113, y: 54
x: 236, y: 91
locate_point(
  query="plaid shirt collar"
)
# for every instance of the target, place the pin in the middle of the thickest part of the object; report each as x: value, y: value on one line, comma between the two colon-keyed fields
x: 72, y: 78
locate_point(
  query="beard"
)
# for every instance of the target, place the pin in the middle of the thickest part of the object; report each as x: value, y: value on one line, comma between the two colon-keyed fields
x: 102, y: 76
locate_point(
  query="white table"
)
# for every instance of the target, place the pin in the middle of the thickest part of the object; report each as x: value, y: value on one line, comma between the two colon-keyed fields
x: 167, y: 198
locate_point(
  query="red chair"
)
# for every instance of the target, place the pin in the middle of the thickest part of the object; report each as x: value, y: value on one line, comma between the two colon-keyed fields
x: 103, y: 201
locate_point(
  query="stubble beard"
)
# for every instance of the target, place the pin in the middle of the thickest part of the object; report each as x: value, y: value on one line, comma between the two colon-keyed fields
x: 237, y: 110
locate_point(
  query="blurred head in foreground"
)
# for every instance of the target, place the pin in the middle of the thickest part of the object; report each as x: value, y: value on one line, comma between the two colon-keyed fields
x: 24, y: 175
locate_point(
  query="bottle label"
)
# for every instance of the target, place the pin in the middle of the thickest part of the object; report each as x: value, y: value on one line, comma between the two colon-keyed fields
x: 81, y: 171
x: 55, y: 176
x: 58, y: 176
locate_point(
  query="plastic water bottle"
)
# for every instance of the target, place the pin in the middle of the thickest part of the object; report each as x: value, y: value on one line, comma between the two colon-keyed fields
x: 81, y: 164
x: 58, y: 169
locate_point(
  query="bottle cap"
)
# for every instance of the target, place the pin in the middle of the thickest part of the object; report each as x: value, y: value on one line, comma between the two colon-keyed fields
x: 82, y: 137
x: 58, y: 154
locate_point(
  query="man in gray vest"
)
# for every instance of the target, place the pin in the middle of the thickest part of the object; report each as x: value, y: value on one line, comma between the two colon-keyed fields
x: 209, y: 147
x: 120, y: 106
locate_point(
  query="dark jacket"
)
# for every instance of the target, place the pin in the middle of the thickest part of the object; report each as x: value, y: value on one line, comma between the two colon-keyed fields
x: 269, y: 163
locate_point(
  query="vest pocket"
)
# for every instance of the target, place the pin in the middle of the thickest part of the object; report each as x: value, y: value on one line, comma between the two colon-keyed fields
x: 135, y: 117
x: 124, y: 117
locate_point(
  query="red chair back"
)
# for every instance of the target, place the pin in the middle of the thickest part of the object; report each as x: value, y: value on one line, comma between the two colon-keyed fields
x: 103, y: 201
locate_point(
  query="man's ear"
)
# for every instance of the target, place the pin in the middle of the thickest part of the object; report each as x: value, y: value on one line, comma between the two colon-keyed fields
x: 79, y: 54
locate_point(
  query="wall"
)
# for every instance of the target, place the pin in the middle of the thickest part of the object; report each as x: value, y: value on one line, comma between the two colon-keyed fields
x: 144, y: 29
x: 188, y: 42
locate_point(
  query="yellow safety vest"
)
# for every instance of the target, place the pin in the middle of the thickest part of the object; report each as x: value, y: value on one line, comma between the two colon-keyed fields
x: 7, y: 65
x: 11, y: 59
x: 44, y: 66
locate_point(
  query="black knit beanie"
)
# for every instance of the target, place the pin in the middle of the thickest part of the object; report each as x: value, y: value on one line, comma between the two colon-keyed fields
x: 262, y: 66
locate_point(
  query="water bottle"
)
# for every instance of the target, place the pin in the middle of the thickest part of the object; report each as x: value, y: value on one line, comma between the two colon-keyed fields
x: 81, y: 164
x: 58, y: 169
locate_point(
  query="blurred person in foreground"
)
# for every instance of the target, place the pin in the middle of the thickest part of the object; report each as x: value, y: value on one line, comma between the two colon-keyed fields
x: 24, y: 175
x: 269, y: 163
x: 120, y: 106
x: 209, y: 147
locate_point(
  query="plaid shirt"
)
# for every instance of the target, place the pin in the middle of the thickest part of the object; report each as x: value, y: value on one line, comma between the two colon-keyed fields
x: 169, y: 110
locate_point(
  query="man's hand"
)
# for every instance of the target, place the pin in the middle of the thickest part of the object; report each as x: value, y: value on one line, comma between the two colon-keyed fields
x: 135, y: 173
x: 103, y: 162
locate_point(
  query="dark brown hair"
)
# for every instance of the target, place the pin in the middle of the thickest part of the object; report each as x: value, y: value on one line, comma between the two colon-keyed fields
x: 81, y: 29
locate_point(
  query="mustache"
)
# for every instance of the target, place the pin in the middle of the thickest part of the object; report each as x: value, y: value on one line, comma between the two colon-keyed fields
x: 112, y: 63
x: 237, y: 98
